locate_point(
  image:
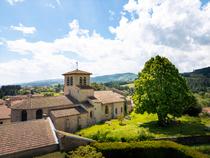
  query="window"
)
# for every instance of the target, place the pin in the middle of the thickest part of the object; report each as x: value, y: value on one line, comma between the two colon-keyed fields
x: 116, y: 111
x: 1, y: 123
x: 67, y: 81
x: 91, y: 114
x: 71, y: 81
x: 39, y: 114
x: 85, y: 81
x: 24, y: 115
x: 121, y: 109
x: 106, y: 110
x: 80, y: 81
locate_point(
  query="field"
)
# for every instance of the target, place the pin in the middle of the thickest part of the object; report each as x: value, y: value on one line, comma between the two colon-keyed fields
x: 143, y: 127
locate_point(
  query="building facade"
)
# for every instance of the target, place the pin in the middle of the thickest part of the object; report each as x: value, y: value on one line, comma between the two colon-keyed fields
x: 79, y: 107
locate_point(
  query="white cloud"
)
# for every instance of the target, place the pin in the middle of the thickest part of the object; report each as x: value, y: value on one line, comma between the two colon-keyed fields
x: 13, y: 2
x: 179, y: 30
x: 50, y: 5
x: 23, y: 29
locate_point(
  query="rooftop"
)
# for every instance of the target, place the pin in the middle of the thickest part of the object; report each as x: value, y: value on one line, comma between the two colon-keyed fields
x: 68, y: 112
x: 41, y: 102
x: 77, y: 72
x: 21, y: 136
x: 5, y: 112
x: 106, y: 97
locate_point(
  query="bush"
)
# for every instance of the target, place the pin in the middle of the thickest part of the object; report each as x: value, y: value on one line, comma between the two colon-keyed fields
x: 193, y: 110
x: 147, y: 149
x: 85, y: 152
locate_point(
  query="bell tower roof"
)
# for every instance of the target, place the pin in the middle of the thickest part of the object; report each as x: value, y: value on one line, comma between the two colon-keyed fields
x: 77, y: 72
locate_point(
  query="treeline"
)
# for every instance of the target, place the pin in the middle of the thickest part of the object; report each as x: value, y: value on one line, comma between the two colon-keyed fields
x: 198, y: 84
x: 12, y: 90
x: 9, y: 90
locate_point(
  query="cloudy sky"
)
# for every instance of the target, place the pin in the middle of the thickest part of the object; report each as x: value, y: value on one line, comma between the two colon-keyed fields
x: 41, y: 39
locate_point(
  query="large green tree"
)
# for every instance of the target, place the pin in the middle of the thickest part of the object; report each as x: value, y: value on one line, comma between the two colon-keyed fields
x: 161, y: 89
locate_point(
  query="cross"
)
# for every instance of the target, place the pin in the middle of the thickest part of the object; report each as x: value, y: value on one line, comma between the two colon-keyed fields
x: 77, y: 65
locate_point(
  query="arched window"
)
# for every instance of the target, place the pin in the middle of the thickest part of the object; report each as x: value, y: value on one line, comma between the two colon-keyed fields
x: 91, y: 114
x: 106, y: 110
x: 121, y: 109
x: 115, y: 110
x: 39, y: 114
x: 85, y: 81
x: 71, y: 81
x: 23, y: 115
x: 67, y: 81
x: 80, y: 81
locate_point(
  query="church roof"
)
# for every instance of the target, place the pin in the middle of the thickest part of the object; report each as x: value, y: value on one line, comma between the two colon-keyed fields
x: 68, y: 112
x: 107, y: 97
x: 24, y: 136
x: 77, y: 72
x: 41, y: 102
x: 5, y: 112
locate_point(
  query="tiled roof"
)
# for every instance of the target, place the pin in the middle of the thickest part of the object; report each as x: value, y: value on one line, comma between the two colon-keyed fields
x: 77, y: 72
x: 106, y: 97
x: 5, y: 112
x: 21, y: 136
x: 41, y: 102
x: 68, y: 112
x: 1, y: 102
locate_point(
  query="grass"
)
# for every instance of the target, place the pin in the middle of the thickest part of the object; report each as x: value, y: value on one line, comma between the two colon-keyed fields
x: 141, y: 127
x: 202, y: 148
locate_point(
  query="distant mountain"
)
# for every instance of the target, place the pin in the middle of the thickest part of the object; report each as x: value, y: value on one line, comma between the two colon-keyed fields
x: 114, y: 77
x: 42, y: 83
x: 98, y: 79
x: 198, y: 80
x: 204, y: 72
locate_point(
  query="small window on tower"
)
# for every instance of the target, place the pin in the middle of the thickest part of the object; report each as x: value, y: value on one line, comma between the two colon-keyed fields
x: 80, y: 81
x: 91, y: 114
x: 71, y: 81
x: 85, y: 82
x: 67, y: 81
x: 106, y: 110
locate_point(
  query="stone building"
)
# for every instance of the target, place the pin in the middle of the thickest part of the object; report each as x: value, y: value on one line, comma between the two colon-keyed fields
x: 5, y: 115
x: 79, y: 107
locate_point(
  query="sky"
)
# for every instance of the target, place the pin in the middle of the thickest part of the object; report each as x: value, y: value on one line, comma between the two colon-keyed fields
x: 42, y: 39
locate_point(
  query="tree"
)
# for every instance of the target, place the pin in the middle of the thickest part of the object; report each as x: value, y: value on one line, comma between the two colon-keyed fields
x: 161, y: 89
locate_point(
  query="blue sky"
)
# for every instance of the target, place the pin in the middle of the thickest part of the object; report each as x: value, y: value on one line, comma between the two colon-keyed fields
x: 41, y: 39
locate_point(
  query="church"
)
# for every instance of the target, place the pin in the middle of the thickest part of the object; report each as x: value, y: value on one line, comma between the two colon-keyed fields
x: 79, y: 107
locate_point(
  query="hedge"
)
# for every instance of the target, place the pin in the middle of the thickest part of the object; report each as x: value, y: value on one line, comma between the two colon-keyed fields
x: 147, y: 149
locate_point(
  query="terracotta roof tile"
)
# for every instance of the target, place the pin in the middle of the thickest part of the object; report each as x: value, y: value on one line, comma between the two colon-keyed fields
x: 77, y: 72
x: 41, y: 102
x: 5, y: 112
x: 27, y: 135
x: 68, y: 112
x: 106, y: 97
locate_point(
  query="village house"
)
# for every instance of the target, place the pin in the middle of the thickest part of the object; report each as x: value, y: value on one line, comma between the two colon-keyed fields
x: 79, y: 107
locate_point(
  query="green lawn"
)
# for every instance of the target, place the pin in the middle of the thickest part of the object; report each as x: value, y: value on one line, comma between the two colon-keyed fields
x: 202, y: 148
x: 142, y: 127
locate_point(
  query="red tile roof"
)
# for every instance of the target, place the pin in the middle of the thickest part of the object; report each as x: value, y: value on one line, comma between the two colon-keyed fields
x: 68, y: 112
x: 106, y: 97
x: 41, y: 102
x: 5, y: 112
x: 77, y: 72
x: 21, y: 136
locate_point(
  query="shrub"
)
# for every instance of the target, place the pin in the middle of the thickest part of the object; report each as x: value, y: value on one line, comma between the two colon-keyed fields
x: 147, y: 149
x: 143, y: 134
x: 193, y: 110
x: 85, y: 152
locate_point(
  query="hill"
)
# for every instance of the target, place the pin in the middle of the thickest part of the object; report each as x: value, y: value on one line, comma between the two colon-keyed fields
x: 98, y: 79
x: 114, y: 77
x: 198, y: 80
